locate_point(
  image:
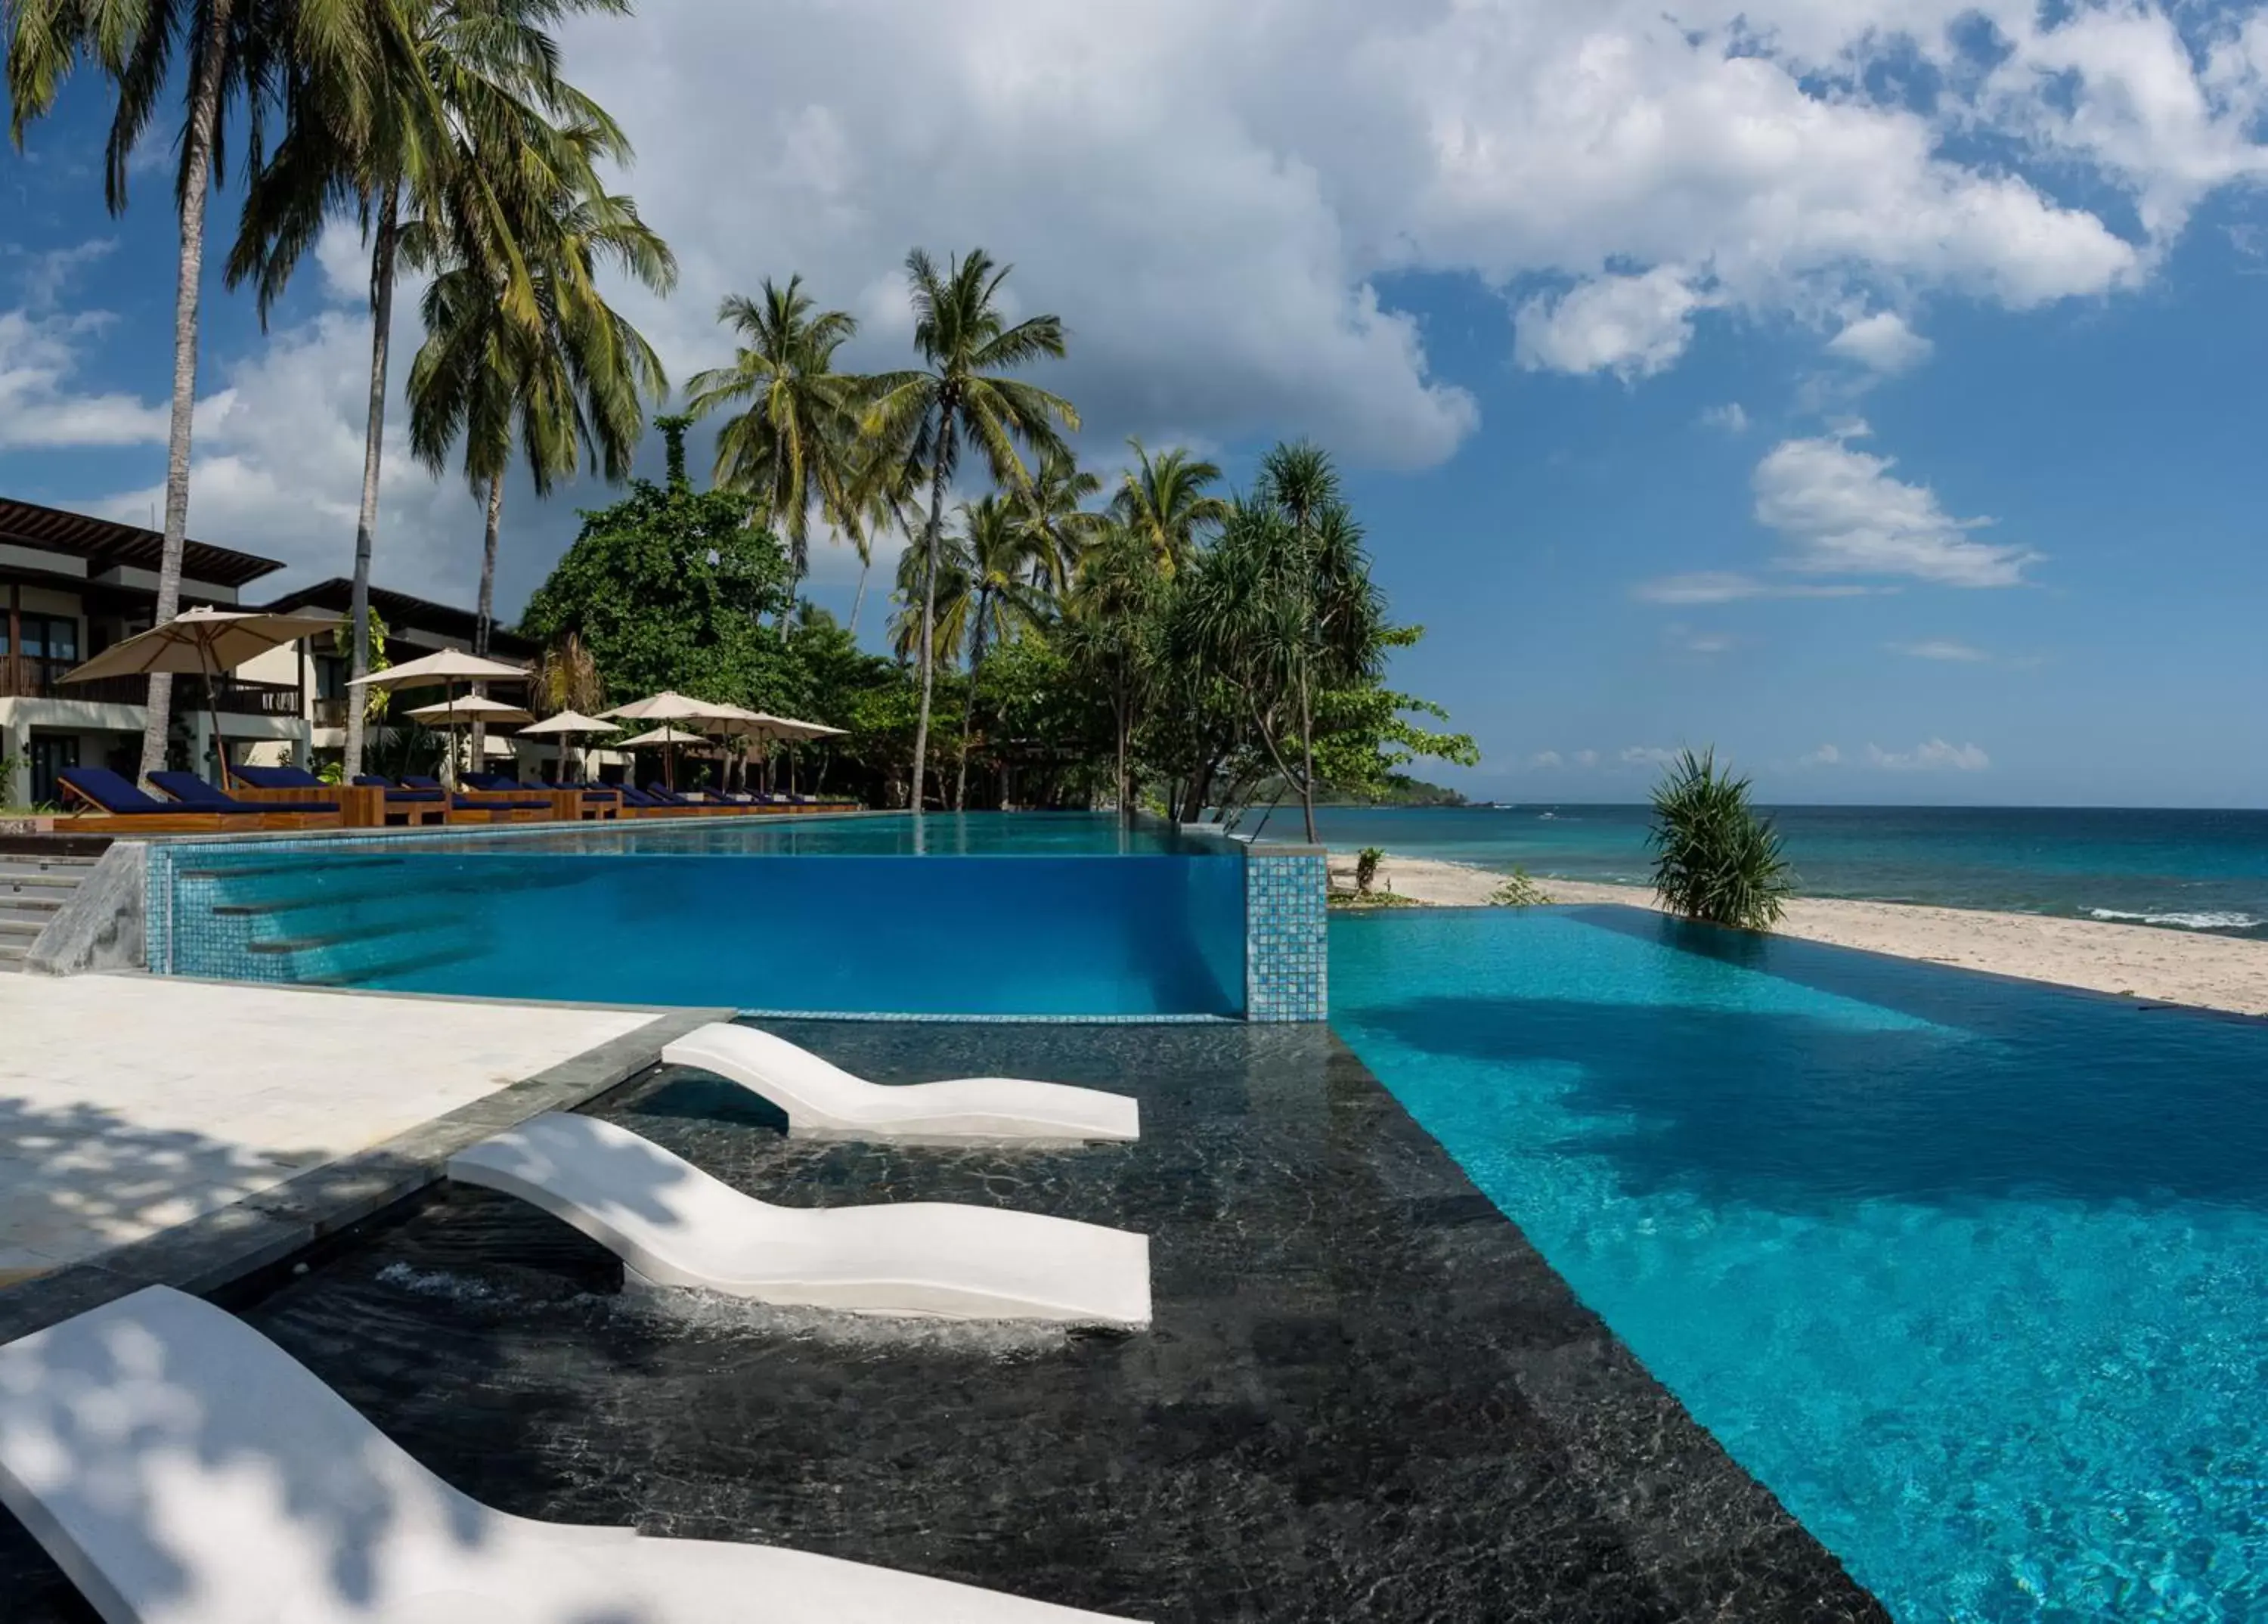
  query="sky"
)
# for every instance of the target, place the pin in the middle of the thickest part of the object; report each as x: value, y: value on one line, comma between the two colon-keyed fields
x: 1871, y: 389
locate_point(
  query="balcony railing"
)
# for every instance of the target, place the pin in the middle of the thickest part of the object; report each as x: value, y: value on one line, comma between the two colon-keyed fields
x: 26, y: 676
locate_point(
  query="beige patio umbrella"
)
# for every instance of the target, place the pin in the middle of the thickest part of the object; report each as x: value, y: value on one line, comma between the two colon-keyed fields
x: 565, y: 726
x: 205, y: 642
x: 464, y: 711
x: 667, y: 739
x: 447, y: 667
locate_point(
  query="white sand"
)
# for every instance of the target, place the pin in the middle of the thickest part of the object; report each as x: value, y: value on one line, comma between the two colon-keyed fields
x: 2139, y: 961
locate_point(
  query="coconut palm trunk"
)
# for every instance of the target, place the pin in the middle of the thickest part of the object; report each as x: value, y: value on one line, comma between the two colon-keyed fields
x: 196, y: 184
x: 858, y: 601
x: 968, y: 707
x: 930, y: 538
x: 374, y: 449
x: 484, y: 616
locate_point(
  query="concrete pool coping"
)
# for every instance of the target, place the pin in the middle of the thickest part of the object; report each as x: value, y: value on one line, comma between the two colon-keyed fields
x: 217, y: 1248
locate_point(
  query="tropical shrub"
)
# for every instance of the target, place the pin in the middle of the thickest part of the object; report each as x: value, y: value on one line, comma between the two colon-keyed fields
x: 1519, y: 891
x: 1365, y: 867
x: 1716, y: 859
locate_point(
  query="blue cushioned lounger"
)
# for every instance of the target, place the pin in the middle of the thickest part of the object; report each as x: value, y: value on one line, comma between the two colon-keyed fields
x: 194, y: 794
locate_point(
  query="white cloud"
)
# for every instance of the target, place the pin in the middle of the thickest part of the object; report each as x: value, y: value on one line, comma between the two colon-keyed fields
x: 44, y: 403
x: 1731, y: 418
x: 1726, y: 587
x: 1936, y: 756
x: 1882, y: 343
x: 1217, y: 200
x: 1546, y: 759
x: 1689, y: 640
x: 1647, y: 756
x: 1587, y: 758
x: 1844, y: 513
x: 1825, y: 756
x: 1634, y: 326
x: 1941, y: 649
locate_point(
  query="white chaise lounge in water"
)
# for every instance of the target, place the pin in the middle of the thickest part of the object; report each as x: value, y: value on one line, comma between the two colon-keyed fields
x: 822, y: 1100
x: 674, y: 1225
x: 182, y: 1469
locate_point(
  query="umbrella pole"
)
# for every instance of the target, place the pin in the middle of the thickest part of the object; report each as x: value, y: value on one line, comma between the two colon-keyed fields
x: 212, y: 710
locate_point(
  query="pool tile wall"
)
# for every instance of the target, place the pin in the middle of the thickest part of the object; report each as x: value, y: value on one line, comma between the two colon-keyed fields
x: 1287, y: 951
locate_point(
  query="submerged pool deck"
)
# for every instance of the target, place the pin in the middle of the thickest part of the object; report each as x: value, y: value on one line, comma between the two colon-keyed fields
x: 1366, y: 1395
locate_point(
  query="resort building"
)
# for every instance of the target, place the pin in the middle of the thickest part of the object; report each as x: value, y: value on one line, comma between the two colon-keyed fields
x: 414, y: 627
x: 73, y: 586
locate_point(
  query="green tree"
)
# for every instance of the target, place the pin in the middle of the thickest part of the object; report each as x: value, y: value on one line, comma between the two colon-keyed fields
x: 1111, y: 631
x: 1051, y: 514
x: 1164, y: 500
x: 1715, y: 858
x: 449, y: 134
x: 796, y: 445
x: 235, y: 53
x: 962, y: 396
x: 574, y: 384
x: 665, y: 588
x: 998, y: 558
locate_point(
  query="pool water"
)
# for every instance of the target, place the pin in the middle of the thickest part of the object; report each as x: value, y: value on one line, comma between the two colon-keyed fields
x: 1022, y: 915
x: 1971, y: 1273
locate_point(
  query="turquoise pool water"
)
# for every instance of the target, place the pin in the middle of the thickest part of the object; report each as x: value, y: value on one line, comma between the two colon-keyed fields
x: 1972, y: 1274
x: 1009, y: 915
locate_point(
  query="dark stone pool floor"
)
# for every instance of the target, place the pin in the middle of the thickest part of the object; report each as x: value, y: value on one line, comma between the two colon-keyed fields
x: 1366, y: 1395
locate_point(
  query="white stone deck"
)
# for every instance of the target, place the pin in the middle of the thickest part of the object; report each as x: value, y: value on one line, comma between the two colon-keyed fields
x: 130, y: 1104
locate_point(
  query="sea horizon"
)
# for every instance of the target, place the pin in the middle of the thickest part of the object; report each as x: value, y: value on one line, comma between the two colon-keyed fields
x: 2201, y: 870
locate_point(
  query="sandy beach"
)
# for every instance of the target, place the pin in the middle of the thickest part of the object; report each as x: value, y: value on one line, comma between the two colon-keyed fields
x: 2138, y: 961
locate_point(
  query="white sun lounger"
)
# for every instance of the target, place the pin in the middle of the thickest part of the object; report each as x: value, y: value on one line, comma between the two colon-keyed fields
x: 823, y: 1101
x: 674, y: 1225
x: 182, y: 1469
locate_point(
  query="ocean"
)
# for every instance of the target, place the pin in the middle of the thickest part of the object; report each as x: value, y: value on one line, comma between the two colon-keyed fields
x: 2195, y: 871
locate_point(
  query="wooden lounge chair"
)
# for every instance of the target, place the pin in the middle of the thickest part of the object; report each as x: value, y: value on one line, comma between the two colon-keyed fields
x: 180, y: 1468
x: 194, y: 793
x: 673, y: 1225
x: 120, y: 808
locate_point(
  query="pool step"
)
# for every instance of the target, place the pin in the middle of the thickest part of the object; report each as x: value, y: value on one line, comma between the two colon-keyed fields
x: 33, y: 891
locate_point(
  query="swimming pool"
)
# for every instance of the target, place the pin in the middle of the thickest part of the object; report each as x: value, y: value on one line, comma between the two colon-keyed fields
x: 1019, y: 915
x: 1971, y: 1273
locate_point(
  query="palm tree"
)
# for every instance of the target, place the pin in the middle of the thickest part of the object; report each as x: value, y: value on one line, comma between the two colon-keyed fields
x: 574, y: 384
x: 885, y: 494
x: 1111, y: 626
x: 998, y: 558
x: 966, y: 345
x: 950, y: 598
x: 455, y: 126
x: 797, y: 442
x: 234, y: 54
x: 1051, y: 514
x: 1164, y: 500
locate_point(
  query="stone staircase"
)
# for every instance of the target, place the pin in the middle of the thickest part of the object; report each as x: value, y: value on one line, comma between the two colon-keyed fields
x: 33, y: 891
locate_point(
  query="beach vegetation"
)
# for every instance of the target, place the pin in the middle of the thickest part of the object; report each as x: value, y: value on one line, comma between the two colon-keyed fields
x: 1716, y: 858
x: 1365, y: 867
x: 1519, y: 890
